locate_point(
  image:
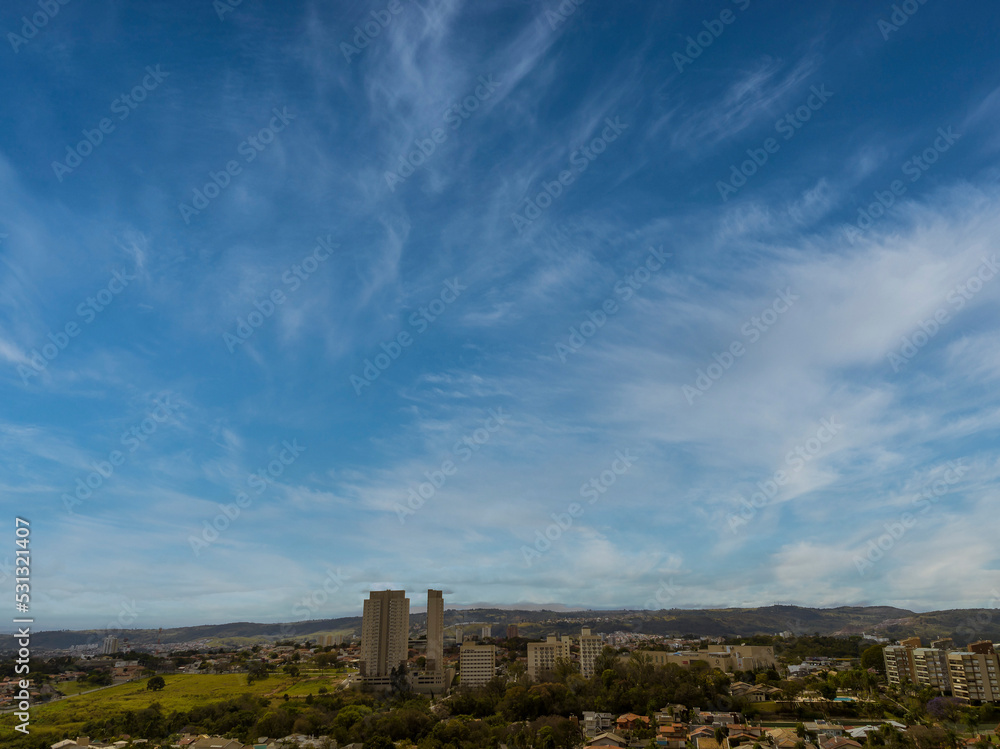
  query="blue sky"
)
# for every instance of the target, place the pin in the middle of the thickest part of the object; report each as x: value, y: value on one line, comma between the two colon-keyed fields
x: 677, y: 305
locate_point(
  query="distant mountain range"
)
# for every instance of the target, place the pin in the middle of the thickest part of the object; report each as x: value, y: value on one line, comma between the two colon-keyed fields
x: 964, y: 625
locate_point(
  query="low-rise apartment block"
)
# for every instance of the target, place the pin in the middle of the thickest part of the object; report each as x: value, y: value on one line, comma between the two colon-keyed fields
x: 728, y: 658
x: 542, y: 656
x: 477, y: 664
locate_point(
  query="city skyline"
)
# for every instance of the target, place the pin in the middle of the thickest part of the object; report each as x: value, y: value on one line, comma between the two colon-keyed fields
x: 536, y: 304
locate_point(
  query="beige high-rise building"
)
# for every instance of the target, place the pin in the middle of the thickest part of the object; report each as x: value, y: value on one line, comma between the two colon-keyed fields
x: 435, y: 631
x: 542, y: 656
x: 477, y: 664
x: 974, y: 672
x: 930, y: 666
x: 590, y: 647
x: 899, y: 664
x: 385, y: 628
x: 970, y: 674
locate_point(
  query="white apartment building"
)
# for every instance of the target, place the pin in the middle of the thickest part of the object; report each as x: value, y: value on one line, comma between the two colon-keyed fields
x: 542, y: 656
x: 590, y: 647
x: 477, y: 664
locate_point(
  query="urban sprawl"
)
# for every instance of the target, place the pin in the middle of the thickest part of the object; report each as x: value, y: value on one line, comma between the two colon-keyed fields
x: 490, y: 685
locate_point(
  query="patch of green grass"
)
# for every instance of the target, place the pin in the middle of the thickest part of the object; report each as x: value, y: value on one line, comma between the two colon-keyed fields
x: 310, y: 685
x: 182, y: 692
x: 74, y: 687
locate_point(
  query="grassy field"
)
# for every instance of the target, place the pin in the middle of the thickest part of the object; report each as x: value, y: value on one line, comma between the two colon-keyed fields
x: 182, y: 692
x: 74, y: 687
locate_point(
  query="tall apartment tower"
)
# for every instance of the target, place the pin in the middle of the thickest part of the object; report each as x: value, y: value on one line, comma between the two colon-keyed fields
x: 435, y: 631
x: 974, y: 672
x: 385, y: 629
x: 932, y: 669
x: 111, y: 645
x: 591, y: 646
x: 899, y: 663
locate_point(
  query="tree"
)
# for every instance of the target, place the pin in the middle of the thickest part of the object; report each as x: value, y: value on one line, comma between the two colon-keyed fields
x: 399, y: 681
x: 873, y: 658
x: 607, y: 661
x: 545, y: 738
x: 639, y: 668
x: 517, y: 672
x: 257, y: 670
x: 972, y: 722
x: 156, y: 683
x: 945, y: 708
x: 563, y: 668
x: 791, y: 689
x: 827, y: 690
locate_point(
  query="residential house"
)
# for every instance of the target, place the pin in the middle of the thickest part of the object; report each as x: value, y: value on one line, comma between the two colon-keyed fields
x: 595, y: 723
x: 739, y: 688
x: 609, y: 738
x: 631, y: 721
x: 81, y: 742
x: 705, y: 741
x: 216, y: 742
x: 740, y: 735
x: 821, y: 729
x: 715, y: 718
x: 672, y: 735
x: 761, y: 693
x: 702, y: 737
x: 740, y: 738
x: 839, y: 742
x: 783, y: 738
